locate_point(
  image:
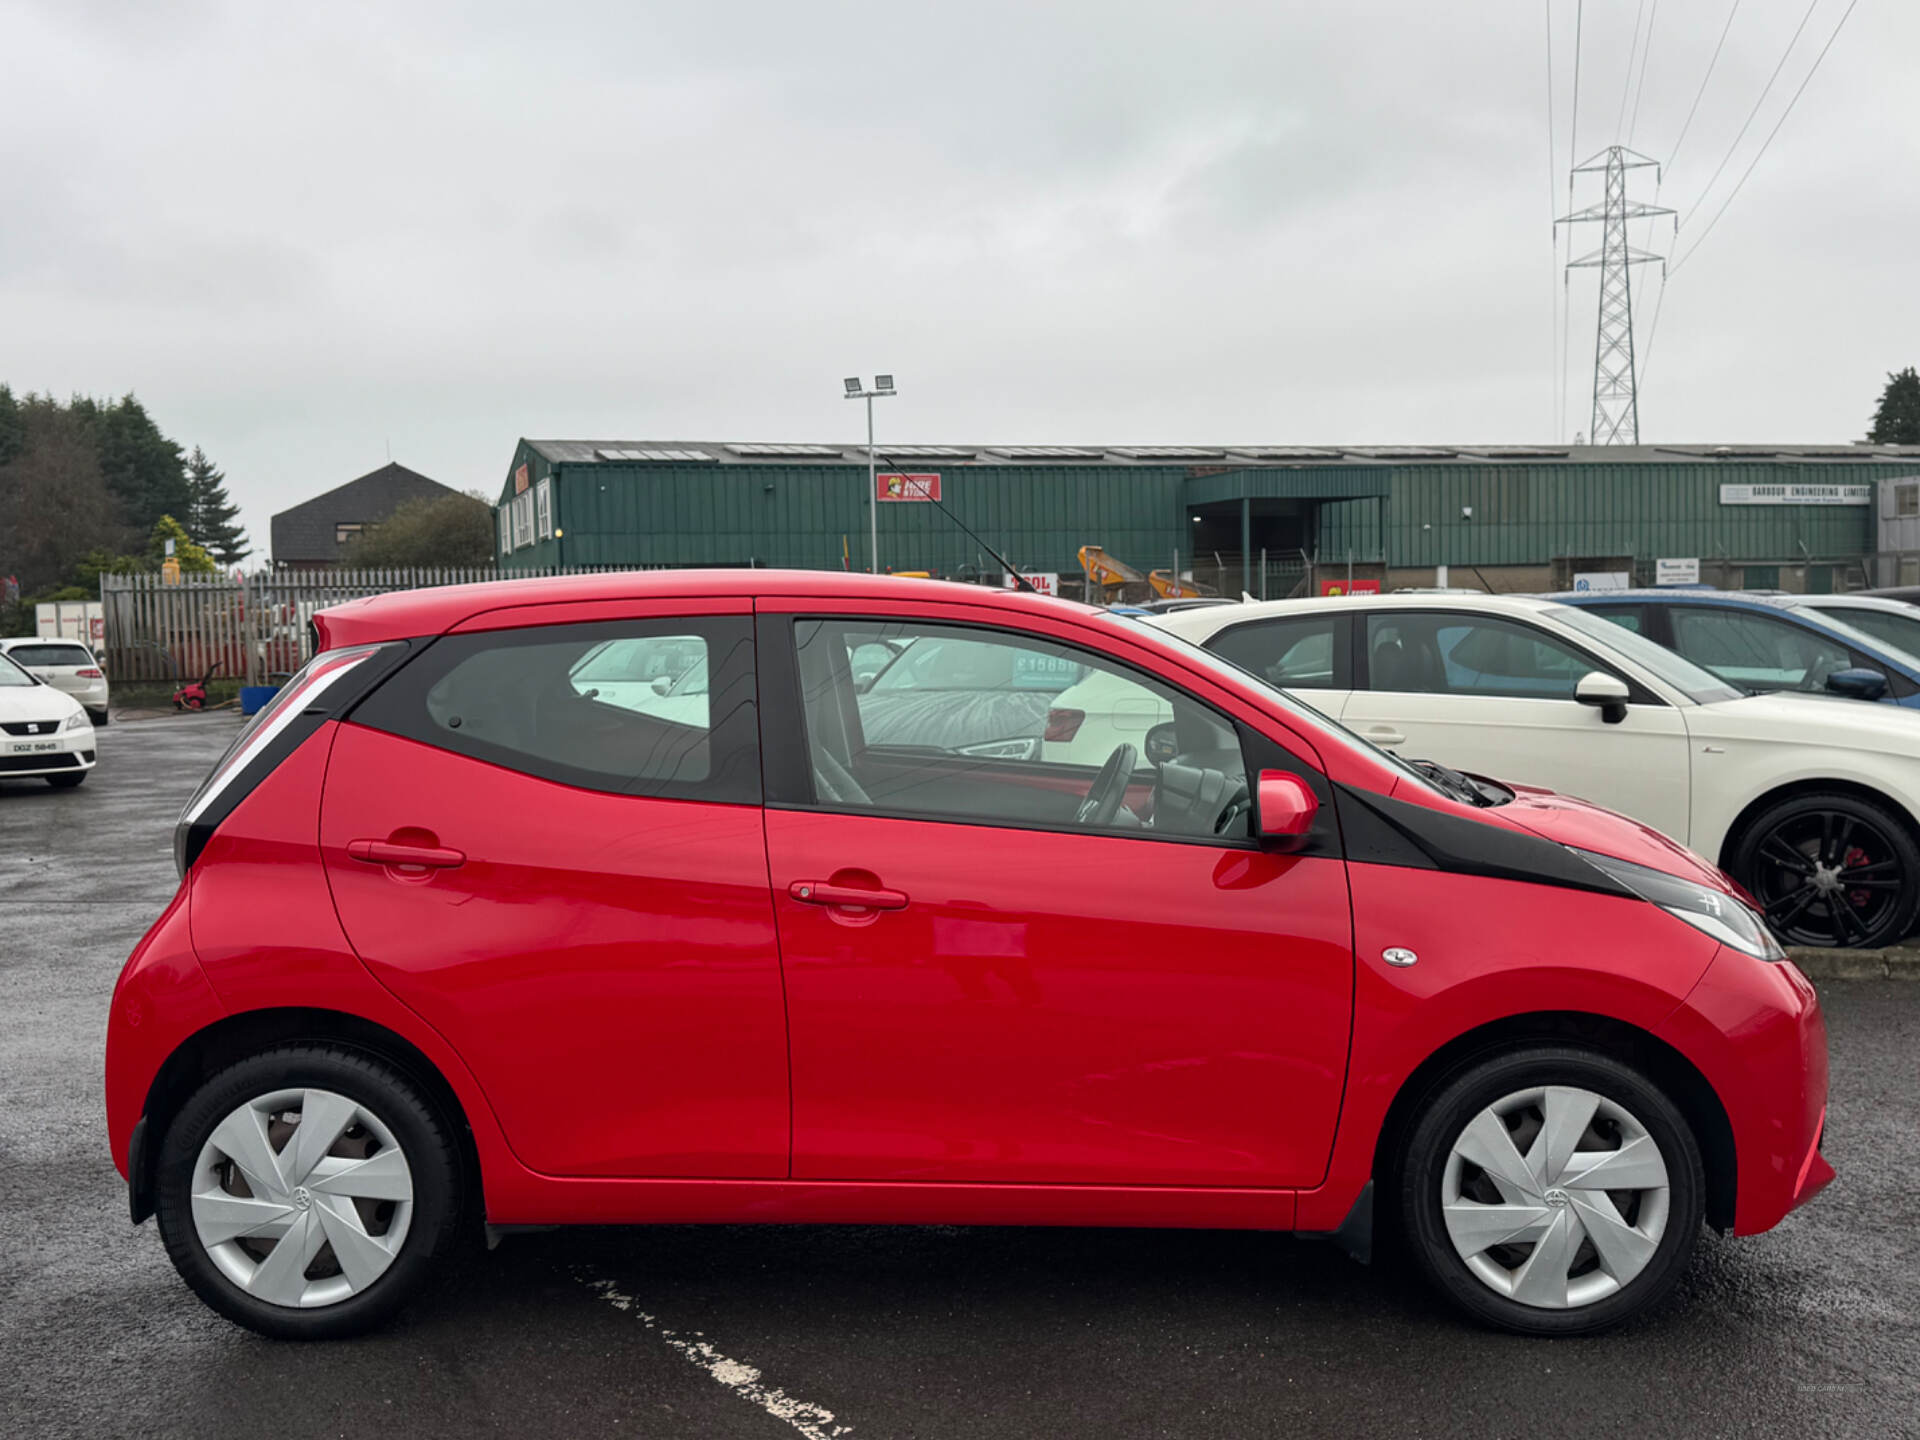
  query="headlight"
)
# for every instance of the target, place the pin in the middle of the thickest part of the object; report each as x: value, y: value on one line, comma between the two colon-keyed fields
x: 1727, y: 919
x: 1025, y: 748
x: 77, y: 721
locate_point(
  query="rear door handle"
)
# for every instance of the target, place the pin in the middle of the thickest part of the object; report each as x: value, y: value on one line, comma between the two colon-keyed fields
x: 1384, y: 735
x: 385, y: 852
x: 815, y: 892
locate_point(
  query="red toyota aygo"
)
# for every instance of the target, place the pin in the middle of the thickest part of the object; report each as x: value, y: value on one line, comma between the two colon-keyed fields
x: 763, y: 897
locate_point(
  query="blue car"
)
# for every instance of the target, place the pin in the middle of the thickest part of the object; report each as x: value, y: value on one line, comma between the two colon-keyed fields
x: 1762, y: 643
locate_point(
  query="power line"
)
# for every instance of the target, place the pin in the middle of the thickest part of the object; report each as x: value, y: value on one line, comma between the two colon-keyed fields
x: 1553, y: 178
x: 1639, y: 88
x: 1769, y: 140
x: 1674, y: 153
x: 1767, y: 89
x: 1573, y: 141
x: 1633, y: 53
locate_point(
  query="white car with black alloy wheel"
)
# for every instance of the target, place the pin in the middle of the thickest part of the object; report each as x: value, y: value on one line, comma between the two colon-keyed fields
x: 44, y: 732
x: 1810, y: 801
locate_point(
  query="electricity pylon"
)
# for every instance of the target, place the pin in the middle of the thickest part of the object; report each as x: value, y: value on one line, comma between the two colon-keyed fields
x: 1616, y: 405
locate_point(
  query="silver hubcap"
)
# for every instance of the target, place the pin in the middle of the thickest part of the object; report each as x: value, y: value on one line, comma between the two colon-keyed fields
x: 302, y: 1197
x: 1555, y: 1197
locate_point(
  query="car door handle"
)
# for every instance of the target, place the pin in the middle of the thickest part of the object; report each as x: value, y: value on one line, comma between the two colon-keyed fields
x: 385, y: 852
x: 1384, y: 735
x: 816, y: 892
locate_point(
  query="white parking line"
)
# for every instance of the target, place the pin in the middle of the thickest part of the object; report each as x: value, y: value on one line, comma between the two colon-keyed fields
x: 811, y: 1420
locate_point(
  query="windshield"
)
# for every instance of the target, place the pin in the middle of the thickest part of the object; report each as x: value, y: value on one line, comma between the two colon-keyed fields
x: 49, y: 655
x: 1855, y: 632
x: 12, y: 674
x: 1889, y: 627
x: 1700, y: 686
x: 1318, y: 719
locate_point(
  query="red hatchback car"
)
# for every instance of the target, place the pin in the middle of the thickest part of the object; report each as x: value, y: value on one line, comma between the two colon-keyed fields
x: 613, y: 899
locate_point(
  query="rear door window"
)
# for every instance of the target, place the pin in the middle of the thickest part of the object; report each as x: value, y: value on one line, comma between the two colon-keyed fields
x: 662, y: 708
x: 1305, y: 652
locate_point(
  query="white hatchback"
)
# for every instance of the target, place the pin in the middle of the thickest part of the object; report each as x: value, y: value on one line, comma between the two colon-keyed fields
x: 1809, y: 801
x: 44, y: 733
x: 64, y: 664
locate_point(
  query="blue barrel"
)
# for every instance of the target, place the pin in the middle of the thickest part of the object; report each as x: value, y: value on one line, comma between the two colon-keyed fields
x: 252, y: 697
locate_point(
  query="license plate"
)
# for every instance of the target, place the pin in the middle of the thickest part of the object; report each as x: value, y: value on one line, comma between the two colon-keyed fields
x: 35, y: 747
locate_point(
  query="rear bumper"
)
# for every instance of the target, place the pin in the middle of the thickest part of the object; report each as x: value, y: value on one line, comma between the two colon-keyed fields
x: 1756, y: 1032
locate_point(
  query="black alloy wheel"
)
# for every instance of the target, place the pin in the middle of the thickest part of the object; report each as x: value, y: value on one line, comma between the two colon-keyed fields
x: 1831, y: 870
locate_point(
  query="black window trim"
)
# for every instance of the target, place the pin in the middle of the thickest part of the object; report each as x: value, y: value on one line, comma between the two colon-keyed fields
x: 787, y: 772
x: 1637, y: 693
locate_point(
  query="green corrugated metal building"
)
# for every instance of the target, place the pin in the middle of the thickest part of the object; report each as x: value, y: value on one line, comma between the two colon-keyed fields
x: 1259, y: 517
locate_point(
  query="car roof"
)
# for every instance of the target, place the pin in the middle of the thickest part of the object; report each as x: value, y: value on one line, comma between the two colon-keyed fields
x: 406, y: 613
x: 1677, y: 595
x: 10, y: 642
x: 1854, y: 601
x: 1214, y: 618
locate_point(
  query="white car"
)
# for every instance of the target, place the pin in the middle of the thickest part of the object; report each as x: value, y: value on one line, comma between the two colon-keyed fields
x: 64, y: 664
x: 1892, y: 622
x: 44, y: 733
x: 1808, y: 800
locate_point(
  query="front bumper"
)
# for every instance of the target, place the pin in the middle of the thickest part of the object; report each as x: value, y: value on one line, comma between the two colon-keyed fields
x: 63, y: 753
x: 1755, y: 1030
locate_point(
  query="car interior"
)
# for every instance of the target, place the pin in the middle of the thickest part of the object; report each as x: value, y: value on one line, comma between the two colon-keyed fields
x: 1187, y: 778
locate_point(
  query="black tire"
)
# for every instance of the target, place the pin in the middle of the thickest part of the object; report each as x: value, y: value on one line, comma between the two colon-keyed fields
x: 1460, y: 1099
x: 421, y: 1132
x: 100, y: 718
x: 1867, y: 839
x: 66, y: 782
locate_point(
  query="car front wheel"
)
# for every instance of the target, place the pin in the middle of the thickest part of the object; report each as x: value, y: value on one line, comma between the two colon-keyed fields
x: 1831, y: 870
x: 1552, y: 1191
x: 305, y: 1193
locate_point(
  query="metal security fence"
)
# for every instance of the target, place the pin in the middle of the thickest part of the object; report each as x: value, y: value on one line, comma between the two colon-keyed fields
x: 247, y: 627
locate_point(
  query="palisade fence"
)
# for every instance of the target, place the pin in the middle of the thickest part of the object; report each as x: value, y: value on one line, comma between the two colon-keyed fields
x: 252, y: 628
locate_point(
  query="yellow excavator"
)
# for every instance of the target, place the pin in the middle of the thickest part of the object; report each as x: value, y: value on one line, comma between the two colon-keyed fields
x: 1112, y: 578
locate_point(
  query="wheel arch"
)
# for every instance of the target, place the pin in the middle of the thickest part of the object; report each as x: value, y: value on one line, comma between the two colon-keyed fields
x: 236, y: 1037
x: 1677, y: 1076
x: 1821, y: 785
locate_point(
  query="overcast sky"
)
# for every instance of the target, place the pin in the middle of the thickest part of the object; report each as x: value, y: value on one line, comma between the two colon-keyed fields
x: 306, y: 234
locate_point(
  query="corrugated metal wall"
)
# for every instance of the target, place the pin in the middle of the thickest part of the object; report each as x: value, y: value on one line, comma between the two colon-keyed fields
x: 797, y: 515
x: 1523, y: 514
x: 1528, y: 514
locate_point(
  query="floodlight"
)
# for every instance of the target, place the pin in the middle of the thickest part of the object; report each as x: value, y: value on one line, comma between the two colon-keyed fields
x: 853, y: 386
x: 883, y: 383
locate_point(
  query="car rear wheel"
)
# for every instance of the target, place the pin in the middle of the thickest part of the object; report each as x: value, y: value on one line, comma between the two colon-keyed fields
x: 1831, y: 870
x: 1552, y: 1191
x: 99, y: 717
x: 305, y: 1193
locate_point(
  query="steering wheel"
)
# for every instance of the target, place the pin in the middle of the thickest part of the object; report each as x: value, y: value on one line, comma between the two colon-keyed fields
x: 1239, y: 805
x: 1109, y: 788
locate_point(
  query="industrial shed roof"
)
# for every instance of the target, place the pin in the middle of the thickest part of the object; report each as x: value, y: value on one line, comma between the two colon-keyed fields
x: 683, y: 452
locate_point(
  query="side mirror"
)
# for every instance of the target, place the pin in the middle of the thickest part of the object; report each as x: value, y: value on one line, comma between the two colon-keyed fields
x: 661, y: 684
x: 1286, y: 806
x: 1606, y: 692
x: 1858, y: 683
x: 1162, y: 743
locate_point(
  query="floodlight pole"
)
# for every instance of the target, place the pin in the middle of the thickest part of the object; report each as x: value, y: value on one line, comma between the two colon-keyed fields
x: 873, y: 497
x: 855, y: 390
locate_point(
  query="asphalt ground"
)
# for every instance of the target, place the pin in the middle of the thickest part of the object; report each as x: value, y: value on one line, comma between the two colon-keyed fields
x: 870, y: 1332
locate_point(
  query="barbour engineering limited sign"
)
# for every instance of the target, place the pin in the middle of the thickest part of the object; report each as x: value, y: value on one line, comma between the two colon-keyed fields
x: 1796, y: 494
